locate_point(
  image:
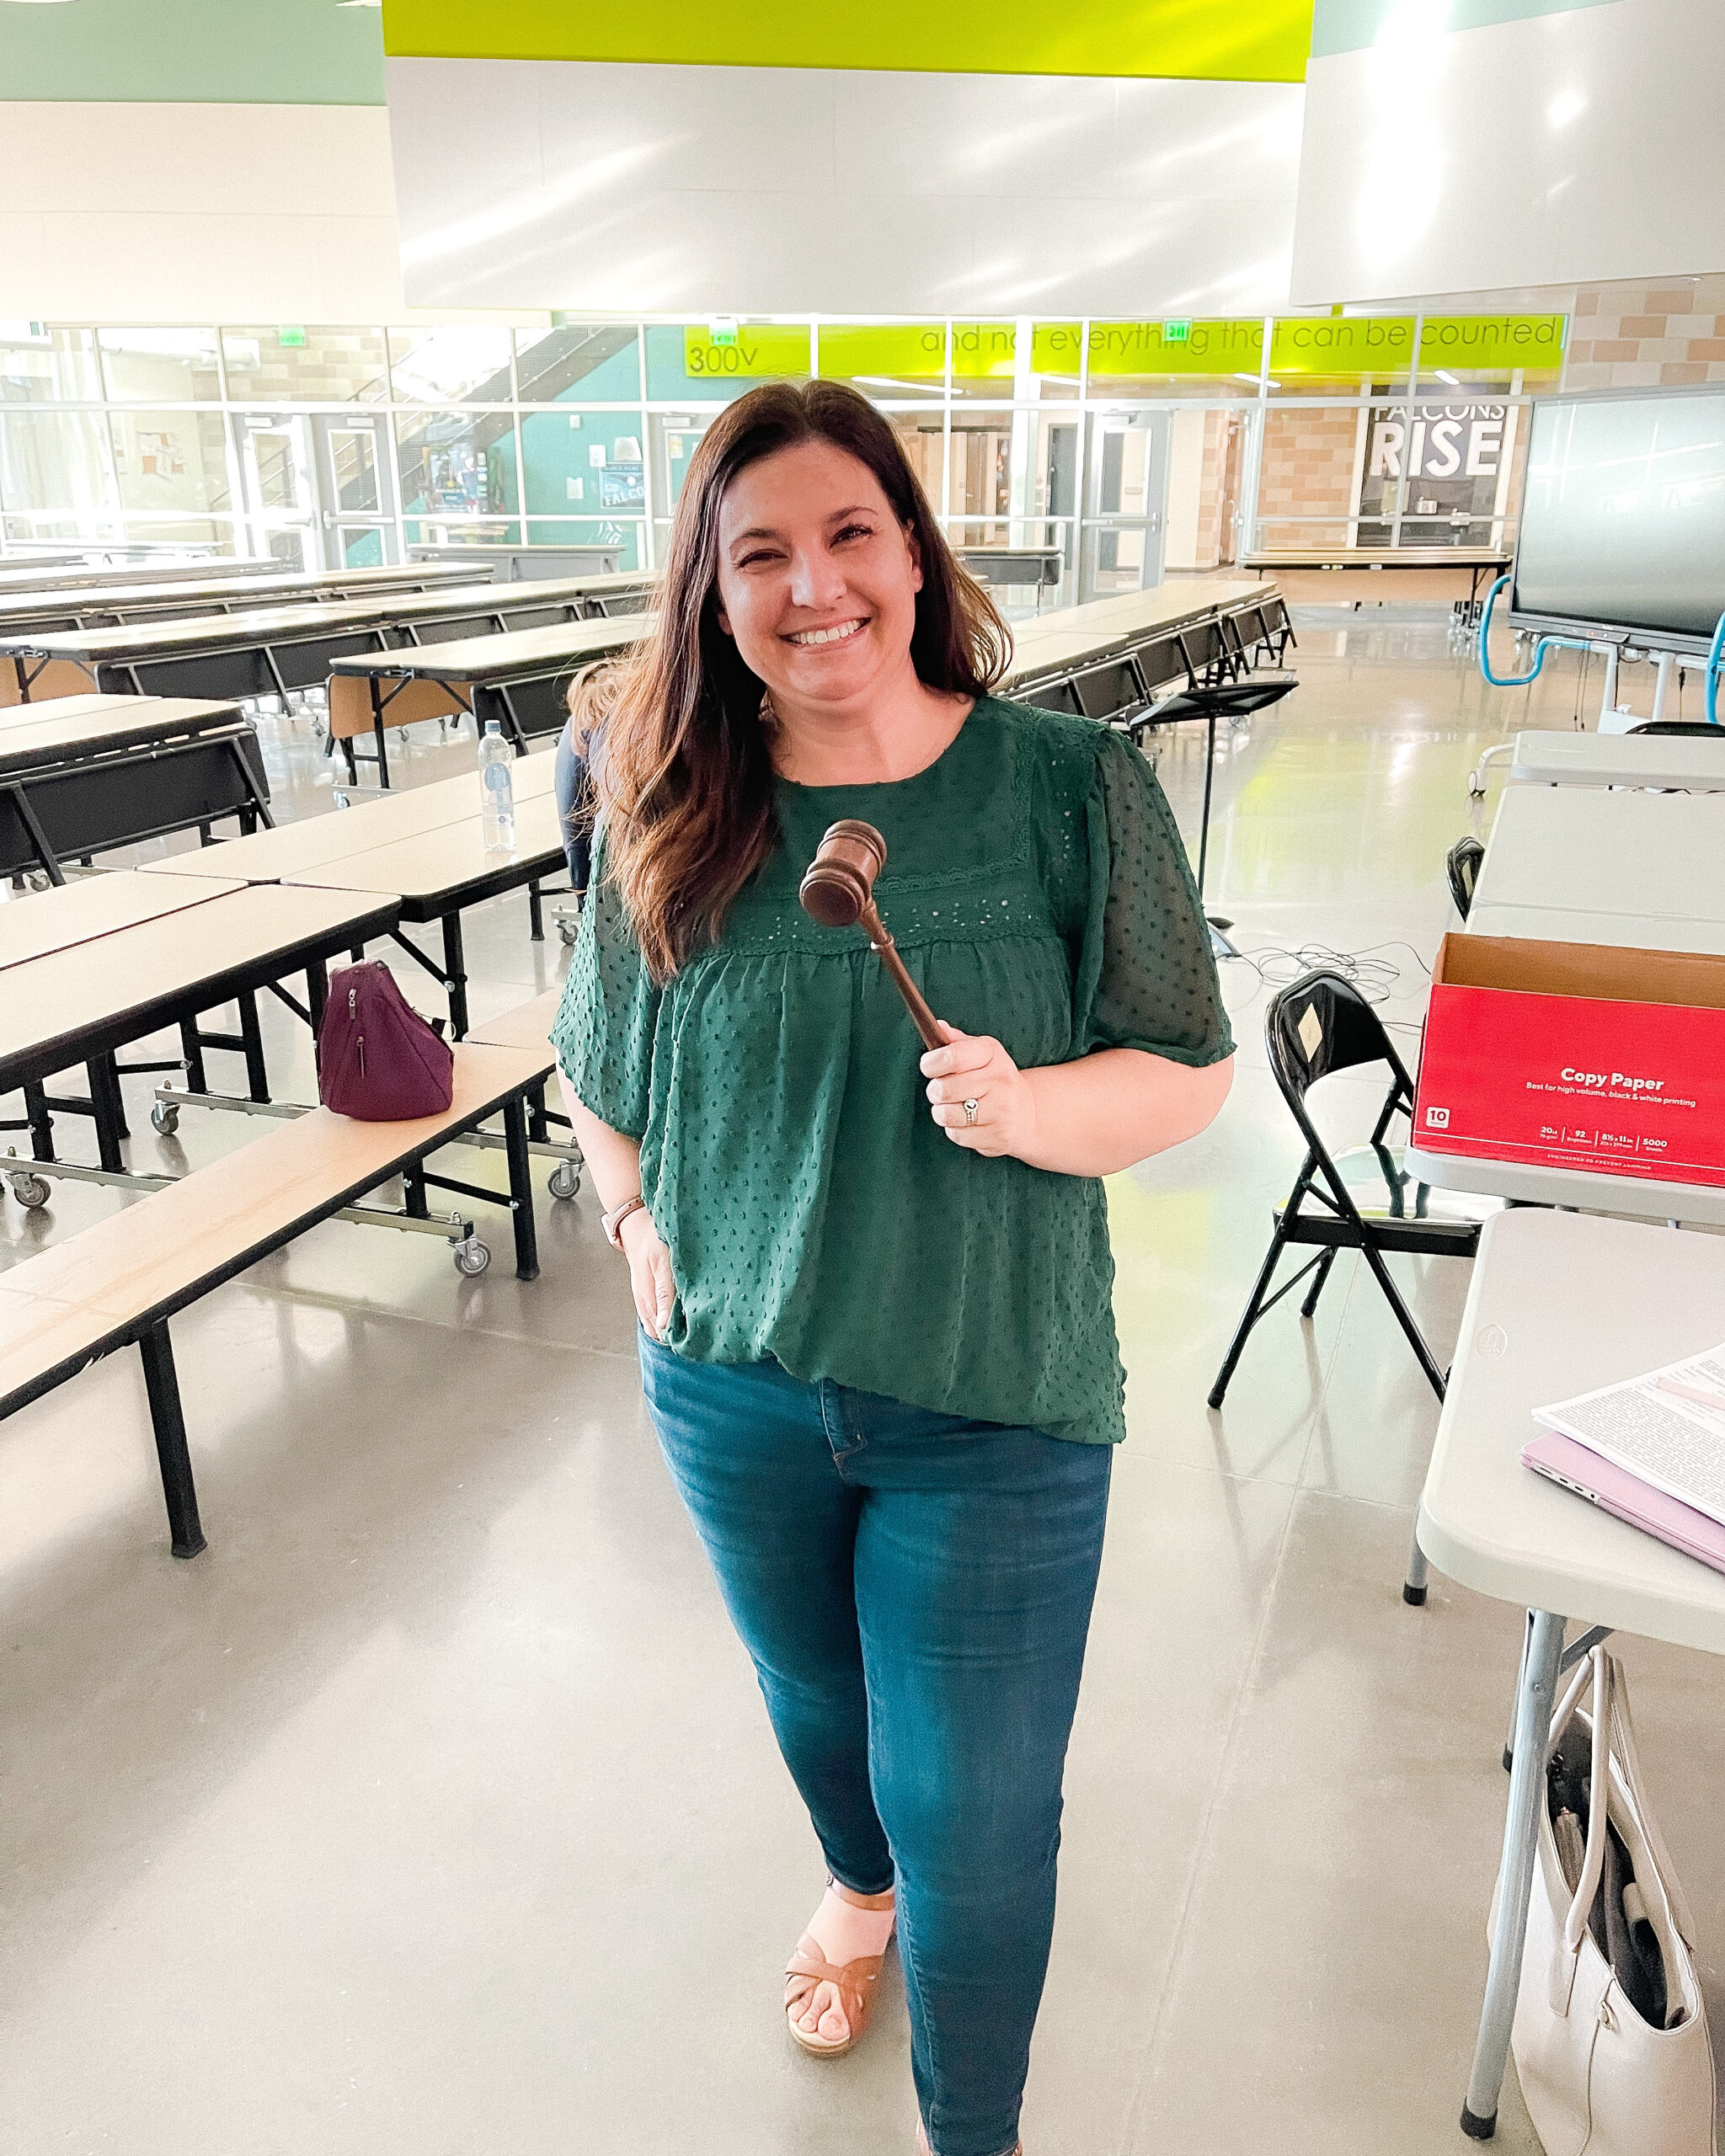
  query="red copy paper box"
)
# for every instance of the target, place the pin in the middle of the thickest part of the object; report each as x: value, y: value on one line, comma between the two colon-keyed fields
x: 1575, y: 1055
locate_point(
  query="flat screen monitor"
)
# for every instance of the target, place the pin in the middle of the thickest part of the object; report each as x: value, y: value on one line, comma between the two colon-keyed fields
x: 1623, y: 513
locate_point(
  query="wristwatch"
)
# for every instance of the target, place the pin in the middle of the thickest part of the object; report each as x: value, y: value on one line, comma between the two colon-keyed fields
x: 612, y: 1222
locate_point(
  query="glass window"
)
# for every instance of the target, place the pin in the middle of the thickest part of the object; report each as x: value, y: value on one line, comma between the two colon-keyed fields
x: 984, y: 359
x: 1444, y: 468
x: 57, y: 460
x: 593, y: 362
x: 459, y: 464
x: 1311, y: 476
x: 172, y: 366
x: 585, y: 463
x: 691, y: 362
x: 1341, y: 356
x: 1508, y: 353
x: 1207, y: 359
x: 291, y: 365
x: 40, y: 365
x: 625, y: 540
x: 462, y: 364
x: 168, y: 464
x: 979, y: 472
x: 886, y: 361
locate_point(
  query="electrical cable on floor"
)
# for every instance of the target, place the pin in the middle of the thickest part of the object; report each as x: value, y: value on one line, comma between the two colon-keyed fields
x: 1377, y: 978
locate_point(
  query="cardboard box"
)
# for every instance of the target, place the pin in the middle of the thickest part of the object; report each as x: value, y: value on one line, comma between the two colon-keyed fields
x: 1575, y: 1055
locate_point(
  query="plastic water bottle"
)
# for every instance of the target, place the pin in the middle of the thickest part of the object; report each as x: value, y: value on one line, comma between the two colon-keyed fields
x: 497, y: 789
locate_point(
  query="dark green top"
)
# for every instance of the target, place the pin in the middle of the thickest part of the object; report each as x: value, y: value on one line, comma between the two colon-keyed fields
x: 813, y: 1210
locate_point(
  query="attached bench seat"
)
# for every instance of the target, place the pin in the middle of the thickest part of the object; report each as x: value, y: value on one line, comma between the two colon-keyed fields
x: 117, y: 1285
x: 528, y: 1025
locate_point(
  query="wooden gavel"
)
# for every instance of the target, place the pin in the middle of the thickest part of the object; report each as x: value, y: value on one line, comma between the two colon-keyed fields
x: 838, y: 891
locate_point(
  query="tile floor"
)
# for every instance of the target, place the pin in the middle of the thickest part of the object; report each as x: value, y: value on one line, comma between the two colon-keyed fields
x: 432, y: 1812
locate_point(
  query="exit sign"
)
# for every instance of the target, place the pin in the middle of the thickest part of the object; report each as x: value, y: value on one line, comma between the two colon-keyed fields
x: 290, y: 336
x: 1177, y: 333
x: 723, y: 329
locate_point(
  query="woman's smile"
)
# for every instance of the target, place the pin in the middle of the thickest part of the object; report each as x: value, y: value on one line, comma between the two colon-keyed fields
x: 840, y: 632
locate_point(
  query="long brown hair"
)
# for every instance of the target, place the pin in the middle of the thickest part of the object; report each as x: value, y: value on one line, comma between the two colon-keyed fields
x: 682, y: 761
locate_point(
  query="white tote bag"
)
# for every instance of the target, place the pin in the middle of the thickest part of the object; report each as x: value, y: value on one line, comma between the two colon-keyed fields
x: 1597, y: 2077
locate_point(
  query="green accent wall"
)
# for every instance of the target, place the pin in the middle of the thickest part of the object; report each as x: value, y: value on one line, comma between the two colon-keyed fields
x: 192, y: 52
x: 1218, y: 40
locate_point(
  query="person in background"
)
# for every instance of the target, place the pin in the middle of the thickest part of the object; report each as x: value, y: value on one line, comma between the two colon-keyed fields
x: 874, y: 1282
x: 571, y: 784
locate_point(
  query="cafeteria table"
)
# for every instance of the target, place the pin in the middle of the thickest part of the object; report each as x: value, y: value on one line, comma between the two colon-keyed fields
x: 425, y: 846
x: 96, y: 905
x: 82, y: 774
x: 110, y: 605
x: 520, y: 679
x: 1559, y: 1304
x: 82, y: 1002
x: 436, y: 875
x: 268, y: 650
x: 1686, y: 762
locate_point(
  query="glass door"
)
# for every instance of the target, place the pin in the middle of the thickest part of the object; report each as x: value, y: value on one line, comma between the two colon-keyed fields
x: 1124, y: 526
x: 357, y: 505
x: 280, y: 487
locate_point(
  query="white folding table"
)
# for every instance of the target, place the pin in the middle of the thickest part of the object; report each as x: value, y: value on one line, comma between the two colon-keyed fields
x: 1702, y: 929
x: 1690, y: 762
x: 1587, y: 849
x: 1559, y: 1303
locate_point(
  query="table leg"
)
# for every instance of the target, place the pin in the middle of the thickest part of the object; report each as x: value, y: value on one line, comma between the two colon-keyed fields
x: 257, y: 1072
x: 39, y: 1118
x: 1527, y: 1788
x: 162, y: 1386
x: 316, y: 993
x: 107, y: 1110
x: 192, y: 1048
x: 521, y: 1189
x: 454, y: 969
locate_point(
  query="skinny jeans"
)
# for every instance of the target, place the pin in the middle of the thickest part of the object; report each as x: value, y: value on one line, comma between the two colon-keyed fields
x: 914, y: 1589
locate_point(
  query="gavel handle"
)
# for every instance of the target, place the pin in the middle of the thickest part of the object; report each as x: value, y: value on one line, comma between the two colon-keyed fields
x: 881, y: 937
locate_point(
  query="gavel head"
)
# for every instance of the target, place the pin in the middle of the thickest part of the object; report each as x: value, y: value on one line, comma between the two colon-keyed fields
x: 839, y: 886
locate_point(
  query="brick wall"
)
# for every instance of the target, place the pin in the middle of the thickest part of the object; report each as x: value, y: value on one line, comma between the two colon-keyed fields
x: 1646, y: 336
x: 1307, y: 471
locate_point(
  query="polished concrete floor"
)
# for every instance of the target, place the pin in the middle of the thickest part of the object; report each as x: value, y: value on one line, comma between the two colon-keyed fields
x: 432, y: 1812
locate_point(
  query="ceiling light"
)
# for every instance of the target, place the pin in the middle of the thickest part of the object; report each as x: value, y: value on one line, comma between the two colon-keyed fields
x: 1449, y: 378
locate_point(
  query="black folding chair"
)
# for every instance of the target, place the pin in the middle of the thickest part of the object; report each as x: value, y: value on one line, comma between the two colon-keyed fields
x: 1360, y: 1199
x: 1461, y: 864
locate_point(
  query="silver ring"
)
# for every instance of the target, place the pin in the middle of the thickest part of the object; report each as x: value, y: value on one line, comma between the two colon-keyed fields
x: 970, y: 1108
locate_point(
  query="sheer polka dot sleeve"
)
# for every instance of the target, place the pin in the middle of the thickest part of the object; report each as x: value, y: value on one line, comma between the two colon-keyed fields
x: 604, y: 1024
x: 1146, y: 977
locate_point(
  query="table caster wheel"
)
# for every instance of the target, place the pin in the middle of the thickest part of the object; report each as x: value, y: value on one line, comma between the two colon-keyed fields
x: 568, y: 929
x: 565, y: 1179
x: 165, y: 1117
x: 471, y: 1255
x: 31, y: 1191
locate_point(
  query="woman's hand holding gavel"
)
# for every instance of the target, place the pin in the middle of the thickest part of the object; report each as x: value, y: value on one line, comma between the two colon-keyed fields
x: 980, y: 1097
x: 973, y: 1072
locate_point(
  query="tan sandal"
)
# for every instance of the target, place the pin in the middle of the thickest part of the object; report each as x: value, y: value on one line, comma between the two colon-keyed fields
x: 855, y: 1981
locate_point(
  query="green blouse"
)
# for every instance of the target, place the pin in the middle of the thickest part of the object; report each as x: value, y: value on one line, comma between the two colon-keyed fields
x: 813, y: 1210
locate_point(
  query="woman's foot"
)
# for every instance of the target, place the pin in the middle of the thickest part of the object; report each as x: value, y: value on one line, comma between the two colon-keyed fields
x: 830, y: 1985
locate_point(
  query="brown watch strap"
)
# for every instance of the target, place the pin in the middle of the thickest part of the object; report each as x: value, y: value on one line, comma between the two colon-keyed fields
x: 612, y: 1222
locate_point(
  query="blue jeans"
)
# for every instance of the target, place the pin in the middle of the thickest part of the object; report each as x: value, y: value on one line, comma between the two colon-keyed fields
x: 914, y: 1591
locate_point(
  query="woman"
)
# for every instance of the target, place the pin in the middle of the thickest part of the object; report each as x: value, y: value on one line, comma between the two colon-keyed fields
x: 874, y: 1283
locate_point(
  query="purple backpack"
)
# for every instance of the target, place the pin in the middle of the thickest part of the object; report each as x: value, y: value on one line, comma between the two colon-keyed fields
x: 378, y: 1061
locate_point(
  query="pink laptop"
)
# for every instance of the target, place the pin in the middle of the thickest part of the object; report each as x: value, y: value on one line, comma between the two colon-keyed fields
x: 1625, y: 1497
